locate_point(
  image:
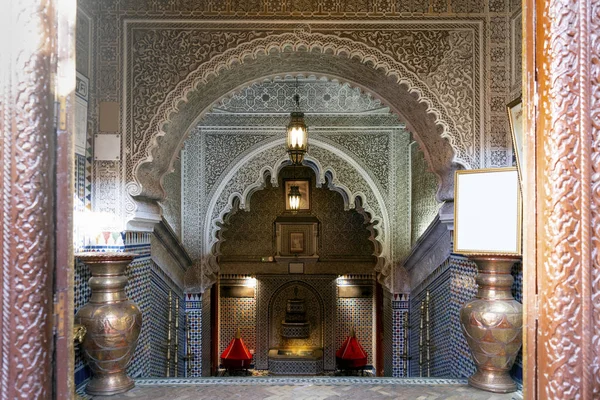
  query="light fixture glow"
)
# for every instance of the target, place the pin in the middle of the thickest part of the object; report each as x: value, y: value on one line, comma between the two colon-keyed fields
x: 294, y: 197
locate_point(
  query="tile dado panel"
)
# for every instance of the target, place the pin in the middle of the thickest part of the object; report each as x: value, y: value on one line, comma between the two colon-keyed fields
x: 357, y: 313
x: 400, y: 307
x: 237, y: 313
x: 243, y: 313
x: 206, y: 333
x: 193, y: 349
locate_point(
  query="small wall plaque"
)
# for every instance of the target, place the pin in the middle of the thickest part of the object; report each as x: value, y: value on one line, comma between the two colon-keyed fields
x: 107, y: 147
x: 296, y: 268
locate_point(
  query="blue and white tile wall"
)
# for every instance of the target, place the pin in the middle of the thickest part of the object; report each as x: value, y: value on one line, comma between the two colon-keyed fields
x: 160, y: 286
x: 356, y: 313
x: 388, y: 321
x: 400, y: 307
x: 234, y: 313
x: 193, y: 310
x: 206, y: 333
x: 450, y: 286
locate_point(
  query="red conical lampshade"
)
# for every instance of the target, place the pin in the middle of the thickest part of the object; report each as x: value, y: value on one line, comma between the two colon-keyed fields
x: 351, y: 354
x: 236, y: 355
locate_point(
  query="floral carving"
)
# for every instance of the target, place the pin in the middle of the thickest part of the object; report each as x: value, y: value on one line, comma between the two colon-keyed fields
x: 161, y: 58
x: 302, y: 39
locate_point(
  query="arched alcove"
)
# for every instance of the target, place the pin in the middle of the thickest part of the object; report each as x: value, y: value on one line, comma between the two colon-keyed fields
x: 365, y: 67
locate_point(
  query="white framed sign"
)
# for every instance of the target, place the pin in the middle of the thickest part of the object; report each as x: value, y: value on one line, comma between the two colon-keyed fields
x: 487, y: 212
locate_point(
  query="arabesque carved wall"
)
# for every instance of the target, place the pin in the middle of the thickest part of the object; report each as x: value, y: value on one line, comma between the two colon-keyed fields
x: 472, y: 40
x: 248, y: 235
x: 151, y: 56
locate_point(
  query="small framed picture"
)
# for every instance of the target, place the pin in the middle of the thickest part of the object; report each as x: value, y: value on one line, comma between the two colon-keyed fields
x: 515, y: 117
x: 303, y: 187
x: 296, y: 242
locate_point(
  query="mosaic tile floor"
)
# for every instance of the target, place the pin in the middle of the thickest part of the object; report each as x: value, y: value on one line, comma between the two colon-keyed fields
x: 306, y: 388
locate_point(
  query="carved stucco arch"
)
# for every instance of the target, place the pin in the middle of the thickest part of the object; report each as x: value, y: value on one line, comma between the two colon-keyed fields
x: 343, y: 175
x: 349, y: 61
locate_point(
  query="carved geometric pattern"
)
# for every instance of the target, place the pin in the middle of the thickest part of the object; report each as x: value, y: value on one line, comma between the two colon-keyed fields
x: 151, y: 65
x: 354, y: 184
x: 319, y: 96
x: 171, y: 205
x: 313, y: 39
x: 424, y: 206
x: 250, y: 233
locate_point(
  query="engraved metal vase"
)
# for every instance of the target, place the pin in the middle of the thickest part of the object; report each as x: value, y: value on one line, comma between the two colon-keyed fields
x: 113, y: 323
x: 492, y: 323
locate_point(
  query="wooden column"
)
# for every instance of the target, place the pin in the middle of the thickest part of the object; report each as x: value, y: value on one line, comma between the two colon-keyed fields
x: 562, y: 199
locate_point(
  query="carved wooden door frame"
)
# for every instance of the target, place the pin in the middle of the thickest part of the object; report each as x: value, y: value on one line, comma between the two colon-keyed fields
x: 561, y: 92
x: 37, y: 78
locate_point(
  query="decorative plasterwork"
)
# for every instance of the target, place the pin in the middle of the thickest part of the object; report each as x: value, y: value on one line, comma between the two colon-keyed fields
x: 250, y: 52
x: 316, y: 96
x: 248, y: 175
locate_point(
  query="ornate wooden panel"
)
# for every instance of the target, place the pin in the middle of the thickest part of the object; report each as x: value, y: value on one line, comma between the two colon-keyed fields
x: 27, y: 174
x: 568, y: 203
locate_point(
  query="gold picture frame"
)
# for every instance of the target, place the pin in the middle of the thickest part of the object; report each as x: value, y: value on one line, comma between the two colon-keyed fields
x: 487, y: 212
x: 296, y: 242
x: 515, y: 118
x: 303, y: 187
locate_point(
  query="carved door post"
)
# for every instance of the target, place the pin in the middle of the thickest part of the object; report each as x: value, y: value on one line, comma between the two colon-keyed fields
x: 35, y: 51
x: 562, y: 199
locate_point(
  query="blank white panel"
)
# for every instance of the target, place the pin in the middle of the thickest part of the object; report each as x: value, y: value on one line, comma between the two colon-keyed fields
x: 487, y: 212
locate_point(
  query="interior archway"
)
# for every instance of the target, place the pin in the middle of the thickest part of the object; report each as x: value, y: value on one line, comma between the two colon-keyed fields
x: 415, y: 105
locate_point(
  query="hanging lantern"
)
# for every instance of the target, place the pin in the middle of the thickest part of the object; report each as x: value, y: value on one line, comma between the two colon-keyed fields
x: 294, y: 198
x: 297, y: 134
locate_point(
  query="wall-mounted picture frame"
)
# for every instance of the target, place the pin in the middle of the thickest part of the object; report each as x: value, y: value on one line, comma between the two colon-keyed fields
x: 304, y: 187
x: 515, y: 118
x: 487, y: 212
x: 296, y: 242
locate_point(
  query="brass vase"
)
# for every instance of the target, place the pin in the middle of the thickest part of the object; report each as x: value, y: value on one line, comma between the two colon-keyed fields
x: 113, y: 323
x: 492, y: 323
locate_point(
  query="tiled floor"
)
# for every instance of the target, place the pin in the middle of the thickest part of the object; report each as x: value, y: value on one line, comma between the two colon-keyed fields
x: 305, y: 388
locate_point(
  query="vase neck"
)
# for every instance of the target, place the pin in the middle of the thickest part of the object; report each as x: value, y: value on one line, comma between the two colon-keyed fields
x: 108, y: 282
x: 494, y: 279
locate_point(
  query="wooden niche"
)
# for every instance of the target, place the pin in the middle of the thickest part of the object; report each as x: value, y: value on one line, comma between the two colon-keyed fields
x: 297, y: 238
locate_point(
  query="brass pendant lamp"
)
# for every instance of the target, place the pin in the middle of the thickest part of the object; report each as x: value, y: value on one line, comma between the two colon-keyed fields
x: 297, y: 133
